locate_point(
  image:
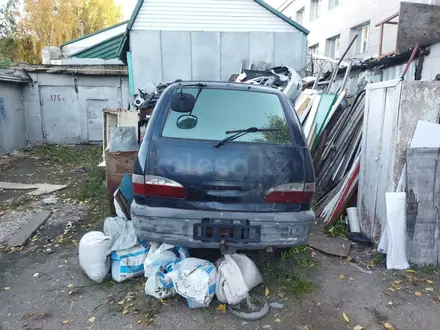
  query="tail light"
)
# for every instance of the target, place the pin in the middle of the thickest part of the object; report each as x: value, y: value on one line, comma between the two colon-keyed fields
x: 157, y: 186
x: 295, y: 193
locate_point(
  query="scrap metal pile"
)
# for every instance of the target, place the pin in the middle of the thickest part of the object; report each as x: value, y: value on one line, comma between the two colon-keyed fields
x: 283, y: 78
x: 333, y: 125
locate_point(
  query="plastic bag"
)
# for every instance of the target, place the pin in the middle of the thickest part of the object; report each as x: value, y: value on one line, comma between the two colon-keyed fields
x: 159, y: 286
x: 194, y: 279
x: 121, y: 232
x: 129, y: 263
x: 161, y: 256
x: 92, y: 255
x: 237, y: 276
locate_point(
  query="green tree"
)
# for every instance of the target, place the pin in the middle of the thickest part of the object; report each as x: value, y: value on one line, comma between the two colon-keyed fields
x: 9, y: 16
x: 53, y: 22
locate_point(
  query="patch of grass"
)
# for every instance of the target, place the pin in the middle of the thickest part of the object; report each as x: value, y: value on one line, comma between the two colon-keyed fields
x: 69, y: 156
x: 378, y: 259
x: 339, y: 228
x: 429, y: 270
x: 300, y: 255
x: 94, y: 187
x: 281, y: 271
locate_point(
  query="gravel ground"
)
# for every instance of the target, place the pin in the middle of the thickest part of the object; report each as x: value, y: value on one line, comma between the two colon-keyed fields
x: 43, y: 287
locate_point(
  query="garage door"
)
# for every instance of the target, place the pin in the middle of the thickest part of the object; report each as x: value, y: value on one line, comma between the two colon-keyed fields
x: 60, y: 115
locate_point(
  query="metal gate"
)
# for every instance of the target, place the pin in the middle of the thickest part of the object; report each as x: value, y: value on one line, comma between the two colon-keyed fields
x: 60, y: 115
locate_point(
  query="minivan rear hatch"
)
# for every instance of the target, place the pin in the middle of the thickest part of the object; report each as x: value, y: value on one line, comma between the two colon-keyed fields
x: 256, y: 171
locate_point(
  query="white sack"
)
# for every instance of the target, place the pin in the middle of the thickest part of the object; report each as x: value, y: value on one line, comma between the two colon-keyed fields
x: 231, y: 286
x: 159, y: 286
x: 129, y: 263
x: 122, y: 234
x: 93, y: 255
x: 194, y: 279
x: 248, y: 272
x: 161, y: 256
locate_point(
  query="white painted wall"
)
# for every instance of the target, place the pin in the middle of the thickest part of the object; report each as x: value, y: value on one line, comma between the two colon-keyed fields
x: 349, y: 14
x: 431, y: 64
x: 208, y: 15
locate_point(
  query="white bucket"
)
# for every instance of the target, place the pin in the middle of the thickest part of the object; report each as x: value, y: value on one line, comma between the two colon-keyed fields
x: 353, y: 220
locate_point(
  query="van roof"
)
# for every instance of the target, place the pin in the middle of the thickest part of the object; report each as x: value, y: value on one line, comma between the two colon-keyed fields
x: 232, y: 86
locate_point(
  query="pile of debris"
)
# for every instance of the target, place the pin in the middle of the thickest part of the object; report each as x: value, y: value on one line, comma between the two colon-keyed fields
x: 332, y: 124
x: 282, y: 78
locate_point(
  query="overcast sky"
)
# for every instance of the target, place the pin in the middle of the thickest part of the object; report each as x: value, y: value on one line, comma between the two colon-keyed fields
x: 127, y: 6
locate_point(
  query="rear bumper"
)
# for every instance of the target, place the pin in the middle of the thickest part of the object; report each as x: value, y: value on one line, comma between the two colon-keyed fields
x: 176, y: 226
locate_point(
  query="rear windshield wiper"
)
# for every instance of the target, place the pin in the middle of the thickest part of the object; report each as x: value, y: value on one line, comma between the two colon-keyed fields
x: 240, y: 132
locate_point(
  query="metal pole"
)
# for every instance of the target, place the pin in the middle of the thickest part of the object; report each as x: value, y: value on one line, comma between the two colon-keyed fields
x: 318, y: 77
x: 335, y: 72
x: 347, y: 74
x: 411, y: 59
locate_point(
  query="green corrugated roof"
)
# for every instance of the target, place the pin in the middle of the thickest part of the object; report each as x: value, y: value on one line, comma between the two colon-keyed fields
x: 105, y: 50
x: 93, y: 34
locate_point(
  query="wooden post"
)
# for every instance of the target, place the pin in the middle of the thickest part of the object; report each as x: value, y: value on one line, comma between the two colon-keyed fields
x: 381, y: 39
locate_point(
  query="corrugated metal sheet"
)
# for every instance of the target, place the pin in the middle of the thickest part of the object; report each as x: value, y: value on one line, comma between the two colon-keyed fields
x: 12, y: 121
x: 208, y: 15
x: 105, y: 50
x: 187, y: 55
x: 93, y: 39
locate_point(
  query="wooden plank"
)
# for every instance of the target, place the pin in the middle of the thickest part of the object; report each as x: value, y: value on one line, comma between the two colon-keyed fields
x: 336, y: 246
x: 310, y: 121
x: 370, y: 157
x: 311, y: 136
x: 26, y: 231
x: 387, y: 149
x: 423, y: 199
x: 386, y: 20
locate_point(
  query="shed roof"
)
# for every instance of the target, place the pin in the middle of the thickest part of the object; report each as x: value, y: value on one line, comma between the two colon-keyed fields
x: 105, y: 50
x: 93, y: 34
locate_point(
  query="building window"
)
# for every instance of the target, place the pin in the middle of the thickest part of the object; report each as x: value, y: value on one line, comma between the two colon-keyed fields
x: 300, y: 16
x: 315, y: 9
x: 332, y: 47
x: 363, y: 32
x: 314, y: 49
x: 332, y: 4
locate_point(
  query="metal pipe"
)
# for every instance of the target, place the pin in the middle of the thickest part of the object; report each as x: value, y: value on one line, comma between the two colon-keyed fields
x: 411, y: 59
x: 335, y: 72
x: 318, y: 77
x: 347, y: 74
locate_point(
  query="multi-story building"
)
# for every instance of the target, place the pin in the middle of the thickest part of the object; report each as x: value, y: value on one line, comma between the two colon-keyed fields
x: 333, y: 23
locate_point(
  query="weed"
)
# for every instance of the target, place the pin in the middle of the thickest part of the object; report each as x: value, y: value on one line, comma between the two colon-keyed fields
x: 94, y: 186
x: 68, y: 156
x: 378, y: 259
x: 340, y: 228
x: 300, y: 255
x: 429, y: 270
x: 281, y: 271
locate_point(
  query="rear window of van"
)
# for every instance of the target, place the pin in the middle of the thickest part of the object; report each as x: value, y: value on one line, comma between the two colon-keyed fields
x: 221, y: 110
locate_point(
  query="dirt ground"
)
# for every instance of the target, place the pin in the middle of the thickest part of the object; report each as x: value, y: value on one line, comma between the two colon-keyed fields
x: 43, y: 287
